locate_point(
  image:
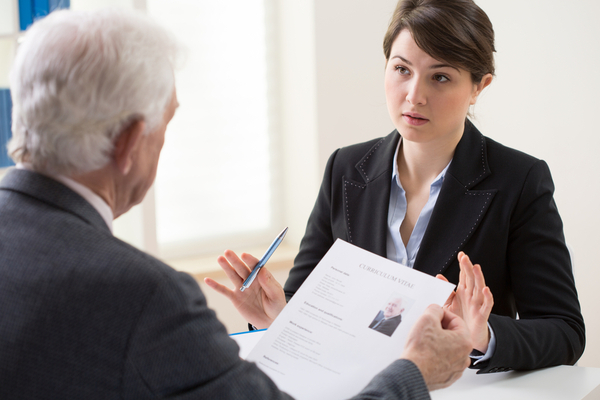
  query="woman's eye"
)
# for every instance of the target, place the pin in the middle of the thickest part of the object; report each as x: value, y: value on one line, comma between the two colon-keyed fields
x: 441, y: 78
x: 401, y: 70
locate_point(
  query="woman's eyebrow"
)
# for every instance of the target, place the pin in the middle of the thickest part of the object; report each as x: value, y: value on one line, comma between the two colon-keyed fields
x: 434, y: 66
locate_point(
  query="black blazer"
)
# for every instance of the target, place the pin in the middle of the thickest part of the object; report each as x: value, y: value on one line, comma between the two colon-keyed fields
x: 496, y: 204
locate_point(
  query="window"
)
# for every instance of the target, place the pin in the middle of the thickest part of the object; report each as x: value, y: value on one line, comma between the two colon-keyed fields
x: 214, y: 179
x: 217, y: 179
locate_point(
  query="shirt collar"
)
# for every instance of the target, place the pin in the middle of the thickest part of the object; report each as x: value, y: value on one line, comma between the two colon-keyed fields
x: 95, y: 201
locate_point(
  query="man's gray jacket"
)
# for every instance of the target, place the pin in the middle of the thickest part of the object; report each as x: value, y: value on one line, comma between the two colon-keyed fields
x: 84, y: 315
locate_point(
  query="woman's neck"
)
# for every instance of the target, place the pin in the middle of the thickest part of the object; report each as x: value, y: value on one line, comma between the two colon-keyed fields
x: 421, y: 163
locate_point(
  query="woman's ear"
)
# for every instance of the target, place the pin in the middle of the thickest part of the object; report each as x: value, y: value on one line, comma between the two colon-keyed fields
x: 485, y: 82
x: 126, y: 144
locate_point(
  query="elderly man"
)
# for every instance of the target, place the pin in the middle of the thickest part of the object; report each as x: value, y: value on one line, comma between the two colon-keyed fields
x: 84, y: 315
x: 387, y: 320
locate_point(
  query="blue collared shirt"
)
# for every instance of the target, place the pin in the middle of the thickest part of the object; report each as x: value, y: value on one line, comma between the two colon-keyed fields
x: 406, y: 255
x: 396, y: 251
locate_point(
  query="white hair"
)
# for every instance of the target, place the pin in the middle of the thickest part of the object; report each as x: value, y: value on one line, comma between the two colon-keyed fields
x: 79, y: 79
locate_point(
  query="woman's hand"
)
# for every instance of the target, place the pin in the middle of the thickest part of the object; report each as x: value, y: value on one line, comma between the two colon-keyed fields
x: 472, y: 301
x: 259, y: 304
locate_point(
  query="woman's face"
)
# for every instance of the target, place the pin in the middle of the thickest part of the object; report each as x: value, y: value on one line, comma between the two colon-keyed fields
x: 427, y: 99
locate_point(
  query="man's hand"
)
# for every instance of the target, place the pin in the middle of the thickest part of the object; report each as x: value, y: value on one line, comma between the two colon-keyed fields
x: 259, y: 304
x: 439, y: 344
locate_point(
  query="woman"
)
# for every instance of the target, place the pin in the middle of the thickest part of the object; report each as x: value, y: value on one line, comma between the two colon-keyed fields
x: 435, y: 189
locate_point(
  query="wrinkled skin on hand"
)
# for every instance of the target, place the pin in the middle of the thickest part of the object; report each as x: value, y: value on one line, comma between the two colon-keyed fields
x: 439, y: 345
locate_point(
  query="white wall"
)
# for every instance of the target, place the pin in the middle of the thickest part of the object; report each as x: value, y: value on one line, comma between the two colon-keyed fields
x: 543, y: 101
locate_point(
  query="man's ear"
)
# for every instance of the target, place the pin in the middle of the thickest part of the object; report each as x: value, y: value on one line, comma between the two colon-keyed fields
x: 125, y: 145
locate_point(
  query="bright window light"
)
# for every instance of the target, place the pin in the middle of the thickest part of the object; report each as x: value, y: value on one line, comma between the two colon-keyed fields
x: 213, y: 178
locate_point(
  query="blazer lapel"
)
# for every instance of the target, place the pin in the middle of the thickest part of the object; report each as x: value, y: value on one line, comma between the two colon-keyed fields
x: 458, y: 210
x: 53, y: 193
x: 366, y: 202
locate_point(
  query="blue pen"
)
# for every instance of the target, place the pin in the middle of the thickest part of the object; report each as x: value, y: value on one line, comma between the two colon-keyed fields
x: 264, y: 259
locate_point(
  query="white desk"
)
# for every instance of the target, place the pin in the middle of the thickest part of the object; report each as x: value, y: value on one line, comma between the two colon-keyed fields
x: 563, y: 382
x: 557, y: 383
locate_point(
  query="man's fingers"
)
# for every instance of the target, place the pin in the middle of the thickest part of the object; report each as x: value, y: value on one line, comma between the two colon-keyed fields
x: 452, y: 322
x: 435, y: 311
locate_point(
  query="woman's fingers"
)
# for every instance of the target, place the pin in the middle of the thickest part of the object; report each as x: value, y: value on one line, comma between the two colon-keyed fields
x: 451, y: 297
x: 273, y: 294
x: 450, y: 302
x: 222, y: 289
x: 238, y: 265
x: 479, y: 284
x: 270, y: 286
x: 466, y: 269
x: 249, y: 259
x: 488, y: 302
x: 231, y: 272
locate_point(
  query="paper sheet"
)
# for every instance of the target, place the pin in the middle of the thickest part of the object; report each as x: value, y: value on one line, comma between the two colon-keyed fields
x: 328, y: 343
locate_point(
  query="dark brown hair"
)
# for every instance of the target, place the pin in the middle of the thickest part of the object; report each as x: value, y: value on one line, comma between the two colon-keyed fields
x: 456, y: 32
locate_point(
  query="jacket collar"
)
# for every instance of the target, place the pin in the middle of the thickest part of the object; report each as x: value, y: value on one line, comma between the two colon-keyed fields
x: 52, y: 192
x: 457, y: 214
x: 459, y: 208
x: 378, y: 160
x: 366, y: 200
x: 467, y: 168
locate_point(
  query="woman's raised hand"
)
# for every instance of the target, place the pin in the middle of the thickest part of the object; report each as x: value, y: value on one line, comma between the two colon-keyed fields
x: 472, y: 301
x: 260, y: 303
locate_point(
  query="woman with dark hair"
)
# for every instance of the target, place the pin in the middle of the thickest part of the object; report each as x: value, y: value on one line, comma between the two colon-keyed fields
x: 436, y: 188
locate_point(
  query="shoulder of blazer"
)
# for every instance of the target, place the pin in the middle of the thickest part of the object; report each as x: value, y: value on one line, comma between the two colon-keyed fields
x: 507, y: 157
x: 52, y: 193
x: 470, y: 170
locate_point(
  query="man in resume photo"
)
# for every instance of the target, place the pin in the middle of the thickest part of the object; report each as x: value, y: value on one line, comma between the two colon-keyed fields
x: 387, y: 320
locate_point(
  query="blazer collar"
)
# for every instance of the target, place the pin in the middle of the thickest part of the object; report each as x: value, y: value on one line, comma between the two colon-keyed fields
x: 52, y: 192
x: 378, y: 159
x: 459, y: 208
x: 366, y: 200
x: 467, y: 169
x: 457, y: 214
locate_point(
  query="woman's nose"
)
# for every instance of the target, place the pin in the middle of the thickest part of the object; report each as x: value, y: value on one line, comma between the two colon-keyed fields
x: 416, y: 94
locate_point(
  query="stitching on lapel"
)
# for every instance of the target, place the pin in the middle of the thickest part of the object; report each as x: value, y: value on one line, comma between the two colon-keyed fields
x: 482, y: 165
x: 346, y: 183
x: 367, y: 158
x: 487, y: 200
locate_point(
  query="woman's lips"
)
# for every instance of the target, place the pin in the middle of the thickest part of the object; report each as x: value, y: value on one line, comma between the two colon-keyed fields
x: 414, y: 119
